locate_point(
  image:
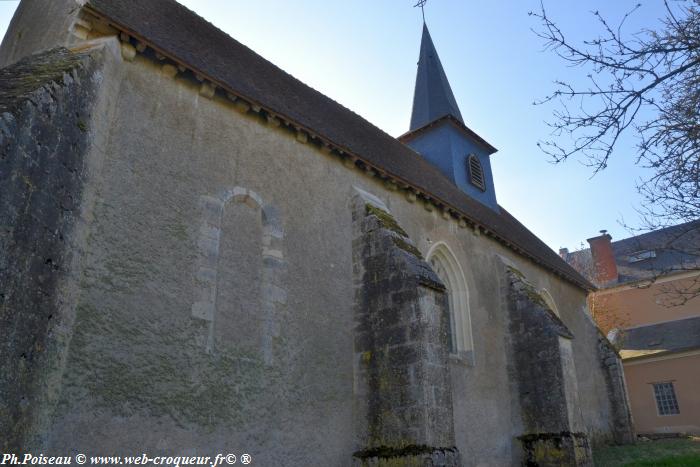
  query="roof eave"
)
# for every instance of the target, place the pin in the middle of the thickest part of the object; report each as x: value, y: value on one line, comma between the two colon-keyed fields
x: 448, y: 118
x: 661, y: 353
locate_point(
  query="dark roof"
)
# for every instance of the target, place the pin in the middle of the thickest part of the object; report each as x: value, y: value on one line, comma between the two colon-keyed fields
x: 675, y: 249
x: 180, y: 34
x: 433, y: 96
x: 669, y: 337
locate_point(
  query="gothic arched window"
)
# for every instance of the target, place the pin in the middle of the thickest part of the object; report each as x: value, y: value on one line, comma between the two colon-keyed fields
x: 450, y: 272
x: 476, y: 172
x: 549, y: 300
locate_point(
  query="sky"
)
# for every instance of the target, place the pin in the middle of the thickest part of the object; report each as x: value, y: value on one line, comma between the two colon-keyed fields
x: 363, y: 54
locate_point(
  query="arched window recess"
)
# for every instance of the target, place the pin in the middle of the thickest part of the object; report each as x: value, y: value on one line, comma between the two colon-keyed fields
x: 448, y: 269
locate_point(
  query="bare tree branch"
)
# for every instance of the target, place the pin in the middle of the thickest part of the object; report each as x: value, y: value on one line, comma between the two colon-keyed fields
x: 646, y: 85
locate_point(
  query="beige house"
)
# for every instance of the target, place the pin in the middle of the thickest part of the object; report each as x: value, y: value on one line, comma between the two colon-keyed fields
x: 646, y: 304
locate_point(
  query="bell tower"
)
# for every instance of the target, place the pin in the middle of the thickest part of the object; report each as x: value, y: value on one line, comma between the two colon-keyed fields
x: 438, y: 132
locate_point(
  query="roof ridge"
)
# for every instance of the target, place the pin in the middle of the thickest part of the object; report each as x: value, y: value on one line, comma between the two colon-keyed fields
x: 645, y: 235
x: 660, y: 231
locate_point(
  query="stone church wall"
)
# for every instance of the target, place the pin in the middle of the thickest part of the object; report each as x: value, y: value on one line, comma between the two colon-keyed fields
x: 47, y: 104
x: 216, y: 302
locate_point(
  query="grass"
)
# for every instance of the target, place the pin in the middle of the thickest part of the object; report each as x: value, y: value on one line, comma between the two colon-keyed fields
x: 679, y: 452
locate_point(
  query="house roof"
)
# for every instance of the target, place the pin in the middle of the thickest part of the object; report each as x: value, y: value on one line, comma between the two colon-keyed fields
x: 178, y: 33
x: 433, y: 96
x: 661, y: 338
x: 675, y: 249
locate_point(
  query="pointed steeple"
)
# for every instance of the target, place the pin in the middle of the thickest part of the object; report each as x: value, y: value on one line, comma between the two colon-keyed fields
x: 433, y: 96
x: 439, y: 134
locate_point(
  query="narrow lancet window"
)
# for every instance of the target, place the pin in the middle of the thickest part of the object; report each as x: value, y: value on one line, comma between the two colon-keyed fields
x: 449, y: 271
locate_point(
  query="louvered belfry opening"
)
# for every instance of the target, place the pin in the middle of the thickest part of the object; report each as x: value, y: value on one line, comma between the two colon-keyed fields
x: 476, y: 173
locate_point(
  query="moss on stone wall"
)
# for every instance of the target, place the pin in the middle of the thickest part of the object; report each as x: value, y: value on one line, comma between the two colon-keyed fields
x: 164, y: 374
x: 388, y: 222
x: 19, y: 81
x: 408, y: 455
x: 385, y: 219
x: 528, y: 289
x: 564, y: 448
x: 407, y: 247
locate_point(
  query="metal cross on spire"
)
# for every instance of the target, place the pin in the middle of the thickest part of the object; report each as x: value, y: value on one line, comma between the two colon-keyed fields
x: 421, y: 4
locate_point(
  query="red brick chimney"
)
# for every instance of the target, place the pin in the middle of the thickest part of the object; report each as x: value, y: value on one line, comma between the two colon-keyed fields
x: 604, y: 266
x: 564, y: 253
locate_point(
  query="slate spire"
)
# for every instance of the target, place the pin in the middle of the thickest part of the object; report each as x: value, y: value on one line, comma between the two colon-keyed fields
x: 433, y: 96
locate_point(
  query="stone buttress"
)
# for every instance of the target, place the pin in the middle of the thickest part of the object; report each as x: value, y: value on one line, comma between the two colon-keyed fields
x: 545, y: 378
x: 622, y: 427
x: 403, y: 397
x: 46, y: 106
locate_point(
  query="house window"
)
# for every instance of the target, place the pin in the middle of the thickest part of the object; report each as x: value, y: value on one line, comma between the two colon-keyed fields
x: 476, y: 172
x: 666, y: 401
x: 641, y: 256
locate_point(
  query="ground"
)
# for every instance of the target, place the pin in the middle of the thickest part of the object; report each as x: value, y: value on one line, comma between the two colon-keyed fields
x: 683, y: 452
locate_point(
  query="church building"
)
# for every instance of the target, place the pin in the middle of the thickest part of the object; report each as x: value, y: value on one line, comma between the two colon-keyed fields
x: 202, y: 255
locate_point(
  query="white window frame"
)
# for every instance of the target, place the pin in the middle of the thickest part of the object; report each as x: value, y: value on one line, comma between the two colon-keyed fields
x: 656, y: 400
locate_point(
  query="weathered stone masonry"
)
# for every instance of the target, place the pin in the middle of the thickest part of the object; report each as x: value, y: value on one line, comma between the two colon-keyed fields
x: 405, y: 413
x: 622, y: 427
x: 46, y: 103
x: 538, y: 341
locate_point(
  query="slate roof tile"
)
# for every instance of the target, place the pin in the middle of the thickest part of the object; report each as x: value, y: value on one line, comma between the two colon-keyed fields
x: 661, y: 338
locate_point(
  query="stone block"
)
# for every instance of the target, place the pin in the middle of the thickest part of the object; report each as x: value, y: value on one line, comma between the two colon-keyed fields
x: 203, y: 310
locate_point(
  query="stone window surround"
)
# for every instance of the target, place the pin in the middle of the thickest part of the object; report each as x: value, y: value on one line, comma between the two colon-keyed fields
x: 549, y: 300
x: 451, y: 273
x: 274, y: 295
